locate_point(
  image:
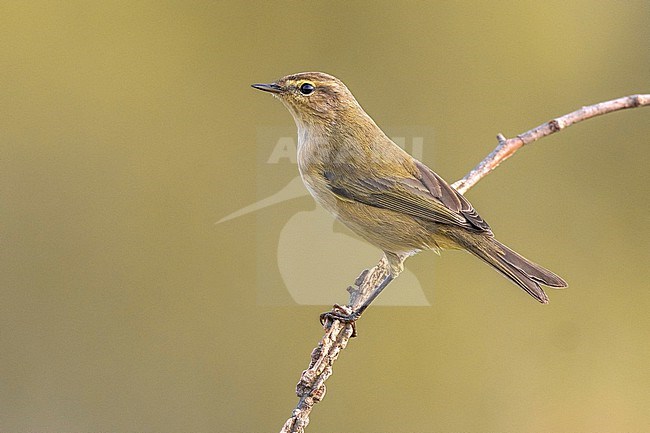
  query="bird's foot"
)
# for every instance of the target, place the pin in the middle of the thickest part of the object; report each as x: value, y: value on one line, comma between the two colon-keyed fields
x: 343, y: 314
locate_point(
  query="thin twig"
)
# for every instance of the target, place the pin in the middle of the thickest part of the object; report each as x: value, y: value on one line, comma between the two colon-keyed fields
x: 506, y: 148
x: 311, y: 387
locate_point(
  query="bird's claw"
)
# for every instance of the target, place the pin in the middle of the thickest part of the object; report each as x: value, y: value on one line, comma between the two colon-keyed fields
x: 342, y: 314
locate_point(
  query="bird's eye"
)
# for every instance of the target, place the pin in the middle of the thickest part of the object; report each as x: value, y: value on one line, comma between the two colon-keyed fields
x: 307, y: 88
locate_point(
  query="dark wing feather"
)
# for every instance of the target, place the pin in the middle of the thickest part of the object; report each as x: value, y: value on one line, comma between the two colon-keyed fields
x: 425, y: 195
x: 450, y: 197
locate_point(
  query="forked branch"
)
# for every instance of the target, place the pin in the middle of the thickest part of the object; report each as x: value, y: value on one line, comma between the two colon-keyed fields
x: 311, y: 387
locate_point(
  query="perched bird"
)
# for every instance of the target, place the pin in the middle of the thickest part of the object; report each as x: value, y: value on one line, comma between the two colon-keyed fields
x: 381, y: 192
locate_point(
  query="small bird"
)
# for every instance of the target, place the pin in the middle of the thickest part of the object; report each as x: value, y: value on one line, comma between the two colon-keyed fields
x: 382, y: 193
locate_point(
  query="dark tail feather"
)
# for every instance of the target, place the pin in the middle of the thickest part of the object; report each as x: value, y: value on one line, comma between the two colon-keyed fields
x: 520, y: 270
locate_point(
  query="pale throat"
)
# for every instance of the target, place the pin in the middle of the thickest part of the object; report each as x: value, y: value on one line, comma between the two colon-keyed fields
x: 312, y: 141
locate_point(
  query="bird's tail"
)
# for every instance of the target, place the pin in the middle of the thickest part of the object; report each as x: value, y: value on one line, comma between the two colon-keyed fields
x: 521, y: 271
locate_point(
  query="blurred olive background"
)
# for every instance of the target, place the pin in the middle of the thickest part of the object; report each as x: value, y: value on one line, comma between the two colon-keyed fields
x: 129, y: 128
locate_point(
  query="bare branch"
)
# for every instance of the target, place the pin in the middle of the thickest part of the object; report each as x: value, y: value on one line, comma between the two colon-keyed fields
x: 506, y: 148
x: 311, y: 387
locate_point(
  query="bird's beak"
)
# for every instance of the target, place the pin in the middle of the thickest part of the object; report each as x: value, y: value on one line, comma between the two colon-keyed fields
x: 273, y: 88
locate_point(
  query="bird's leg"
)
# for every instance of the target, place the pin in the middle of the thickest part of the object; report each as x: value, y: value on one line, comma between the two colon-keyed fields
x: 395, y: 264
x: 354, y: 315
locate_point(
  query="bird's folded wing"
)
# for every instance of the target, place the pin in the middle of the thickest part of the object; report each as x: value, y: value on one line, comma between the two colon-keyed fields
x: 425, y: 195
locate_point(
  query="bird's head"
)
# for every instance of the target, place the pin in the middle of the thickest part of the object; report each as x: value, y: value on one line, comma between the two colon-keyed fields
x: 314, y: 98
